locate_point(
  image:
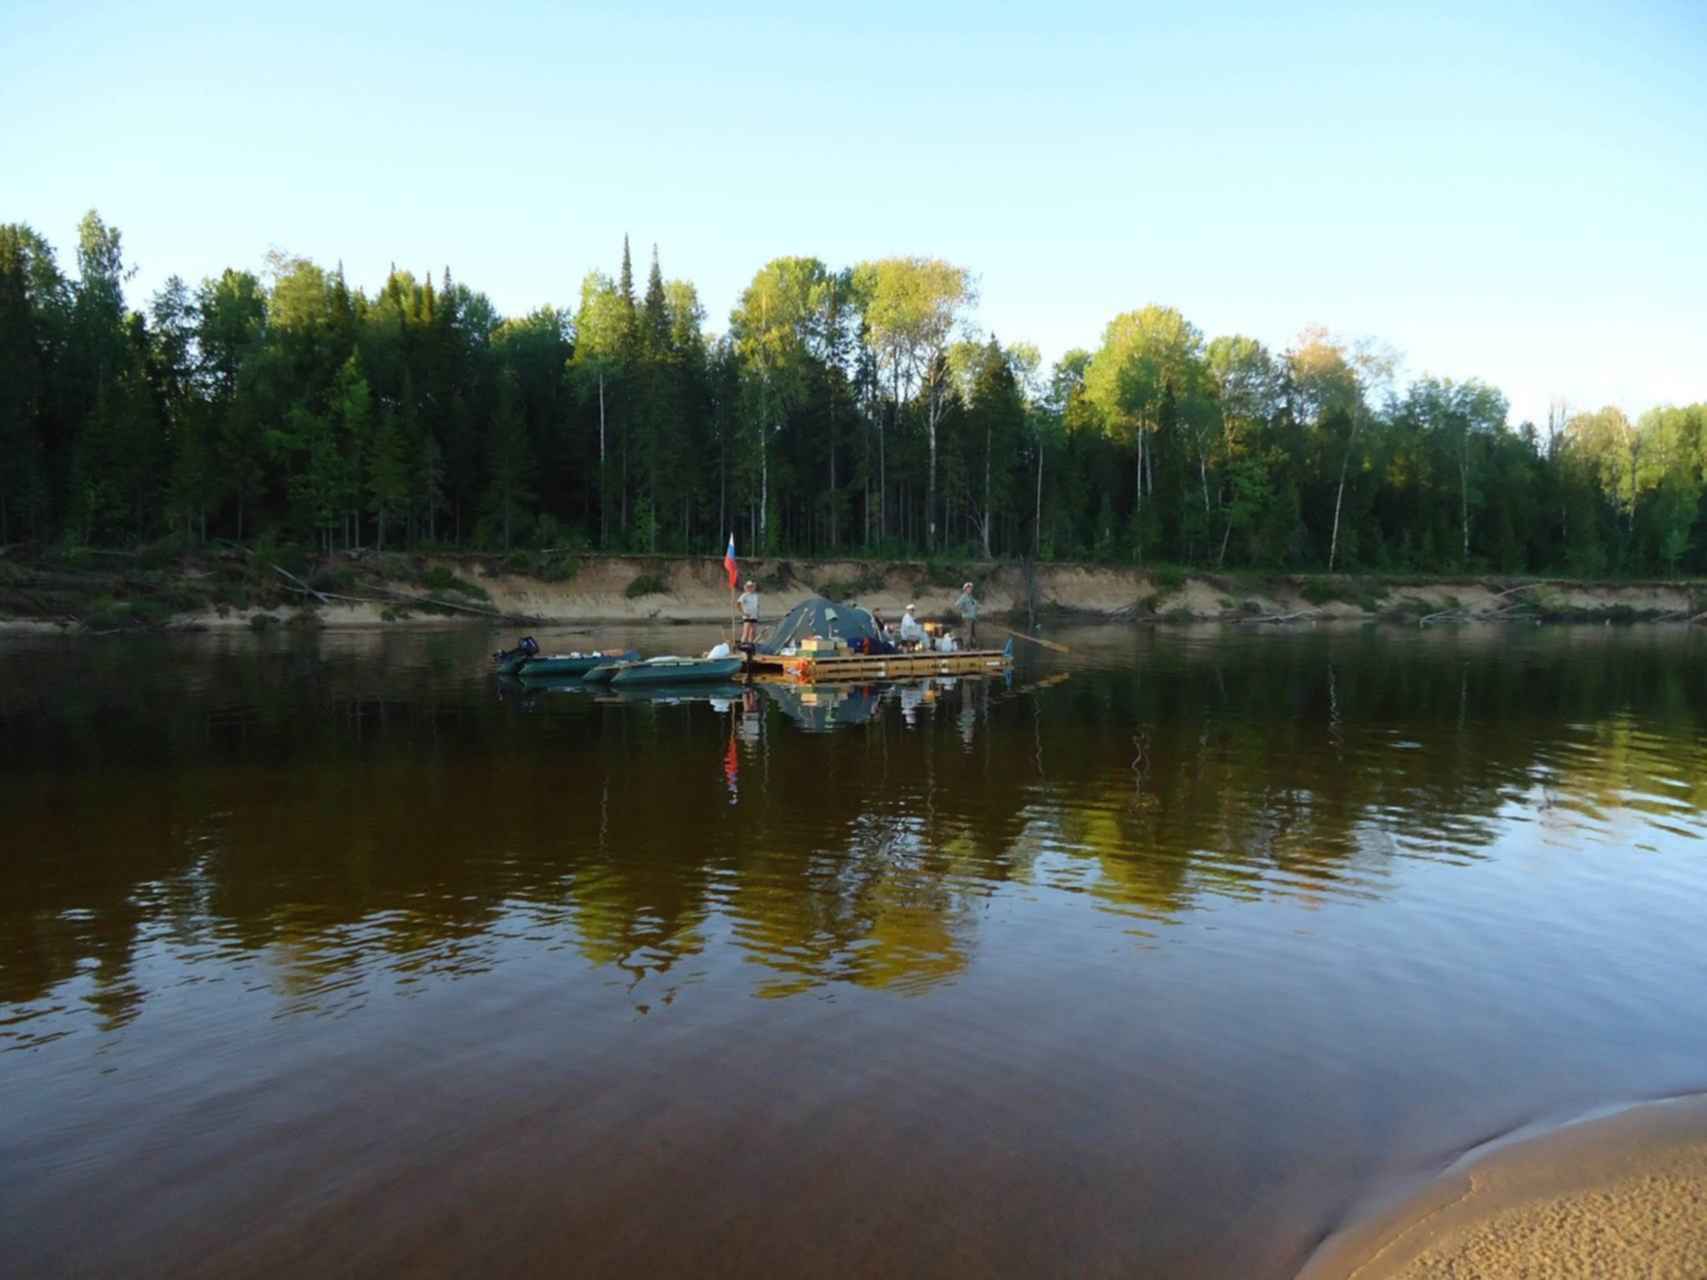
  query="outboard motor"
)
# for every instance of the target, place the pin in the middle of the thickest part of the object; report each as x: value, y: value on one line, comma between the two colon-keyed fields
x: 526, y: 649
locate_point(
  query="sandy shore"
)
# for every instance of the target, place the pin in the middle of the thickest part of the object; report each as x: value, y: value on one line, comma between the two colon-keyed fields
x: 1624, y: 1195
x: 615, y: 588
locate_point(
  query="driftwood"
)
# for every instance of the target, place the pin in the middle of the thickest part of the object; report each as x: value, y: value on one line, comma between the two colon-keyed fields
x: 1459, y: 612
x: 396, y: 597
x: 300, y: 583
x: 406, y: 598
x: 1527, y: 586
x: 1277, y: 617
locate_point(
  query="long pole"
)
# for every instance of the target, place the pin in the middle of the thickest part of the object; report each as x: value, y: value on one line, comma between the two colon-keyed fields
x: 1047, y: 644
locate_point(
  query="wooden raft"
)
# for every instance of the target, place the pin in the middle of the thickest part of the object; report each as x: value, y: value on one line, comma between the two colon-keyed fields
x: 810, y: 668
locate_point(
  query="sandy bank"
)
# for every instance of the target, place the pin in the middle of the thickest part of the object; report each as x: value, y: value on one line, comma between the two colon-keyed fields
x: 1624, y: 1195
x: 234, y: 587
x: 693, y: 589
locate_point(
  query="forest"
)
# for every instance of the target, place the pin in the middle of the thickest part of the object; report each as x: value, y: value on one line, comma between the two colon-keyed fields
x: 843, y: 410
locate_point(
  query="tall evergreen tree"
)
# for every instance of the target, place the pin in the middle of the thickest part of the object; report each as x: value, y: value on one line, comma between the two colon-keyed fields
x: 510, y: 489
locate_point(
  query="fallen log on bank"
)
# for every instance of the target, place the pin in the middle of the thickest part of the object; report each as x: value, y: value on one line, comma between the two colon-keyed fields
x: 1277, y: 618
x: 402, y: 598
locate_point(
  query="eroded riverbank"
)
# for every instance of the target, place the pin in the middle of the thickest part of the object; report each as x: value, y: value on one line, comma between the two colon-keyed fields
x: 110, y: 591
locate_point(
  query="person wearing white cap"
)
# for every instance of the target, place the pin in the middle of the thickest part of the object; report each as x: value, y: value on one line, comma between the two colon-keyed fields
x: 912, y: 634
x: 967, y: 607
x: 749, y: 602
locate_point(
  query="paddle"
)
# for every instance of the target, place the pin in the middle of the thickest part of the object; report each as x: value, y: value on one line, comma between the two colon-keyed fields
x: 1047, y: 644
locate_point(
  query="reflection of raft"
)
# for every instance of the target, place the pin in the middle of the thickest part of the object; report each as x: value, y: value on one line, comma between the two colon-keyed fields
x: 818, y: 668
x: 676, y: 671
x: 818, y: 709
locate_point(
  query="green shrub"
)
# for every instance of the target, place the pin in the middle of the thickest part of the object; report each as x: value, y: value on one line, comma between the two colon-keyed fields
x: 942, y: 573
x: 262, y: 621
x: 779, y: 578
x: 287, y: 555
x: 647, y: 584
x: 151, y: 611
x: 1168, y: 577
x: 438, y: 578
x: 334, y: 581
x: 1321, y: 591
x: 106, y: 614
x: 866, y: 582
x: 162, y: 553
x: 556, y: 566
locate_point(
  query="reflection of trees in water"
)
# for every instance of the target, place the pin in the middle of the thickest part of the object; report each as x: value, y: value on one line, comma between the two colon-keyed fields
x: 353, y: 814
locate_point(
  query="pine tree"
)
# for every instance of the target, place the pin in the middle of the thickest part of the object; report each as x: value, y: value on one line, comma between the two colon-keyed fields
x: 30, y: 296
x: 625, y: 281
x: 509, y: 491
x: 353, y: 405
x: 388, y: 473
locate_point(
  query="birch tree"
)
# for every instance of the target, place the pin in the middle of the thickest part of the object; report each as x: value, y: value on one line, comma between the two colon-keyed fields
x: 1334, y: 381
x: 601, y: 340
x: 772, y: 326
x: 1145, y: 357
x: 913, y: 310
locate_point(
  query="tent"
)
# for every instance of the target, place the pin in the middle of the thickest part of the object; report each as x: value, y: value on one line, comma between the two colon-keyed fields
x: 816, y: 616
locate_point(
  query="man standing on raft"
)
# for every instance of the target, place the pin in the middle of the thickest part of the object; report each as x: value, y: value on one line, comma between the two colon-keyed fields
x: 967, y: 607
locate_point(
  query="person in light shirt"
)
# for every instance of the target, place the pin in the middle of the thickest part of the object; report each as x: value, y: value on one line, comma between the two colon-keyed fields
x: 749, y: 602
x: 967, y: 608
x: 912, y: 634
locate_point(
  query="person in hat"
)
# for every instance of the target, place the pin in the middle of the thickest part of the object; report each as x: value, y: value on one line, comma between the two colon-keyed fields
x: 749, y: 602
x: 967, y: 608
x: 912, y: 634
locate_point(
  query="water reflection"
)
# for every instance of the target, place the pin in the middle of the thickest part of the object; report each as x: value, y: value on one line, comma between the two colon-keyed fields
x: 334, y: 816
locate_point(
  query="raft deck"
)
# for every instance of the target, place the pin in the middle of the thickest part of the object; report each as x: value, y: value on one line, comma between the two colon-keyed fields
x: 809, y: 668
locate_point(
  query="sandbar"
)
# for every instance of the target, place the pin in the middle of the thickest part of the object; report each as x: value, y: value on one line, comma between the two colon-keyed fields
x: 1619, y: 1195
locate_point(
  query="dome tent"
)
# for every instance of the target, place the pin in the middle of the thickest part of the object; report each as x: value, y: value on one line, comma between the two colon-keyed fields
x: 816, y: 616
x: 821, y: 708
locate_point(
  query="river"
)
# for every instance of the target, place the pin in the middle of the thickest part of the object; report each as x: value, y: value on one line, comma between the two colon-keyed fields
x: 330, y: 953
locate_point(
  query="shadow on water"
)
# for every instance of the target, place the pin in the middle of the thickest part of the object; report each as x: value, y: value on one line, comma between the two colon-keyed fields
x: 1465, y: 861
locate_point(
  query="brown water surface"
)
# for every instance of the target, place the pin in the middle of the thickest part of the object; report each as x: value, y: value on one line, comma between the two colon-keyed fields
x: 333, y: 954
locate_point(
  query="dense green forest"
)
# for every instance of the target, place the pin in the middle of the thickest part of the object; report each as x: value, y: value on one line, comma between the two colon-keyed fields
x: 843, y: 411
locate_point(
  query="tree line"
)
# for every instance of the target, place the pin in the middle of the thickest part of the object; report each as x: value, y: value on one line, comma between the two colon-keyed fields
x: 843, y: 410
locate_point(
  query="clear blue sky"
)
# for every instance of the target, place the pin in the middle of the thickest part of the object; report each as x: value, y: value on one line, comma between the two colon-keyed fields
x: 1516, y: 192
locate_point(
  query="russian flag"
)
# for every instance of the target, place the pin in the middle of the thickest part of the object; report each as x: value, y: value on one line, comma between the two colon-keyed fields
x: 729, y: 563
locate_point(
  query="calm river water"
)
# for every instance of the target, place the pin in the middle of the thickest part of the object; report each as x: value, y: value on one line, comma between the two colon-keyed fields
x: 329, y: 954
